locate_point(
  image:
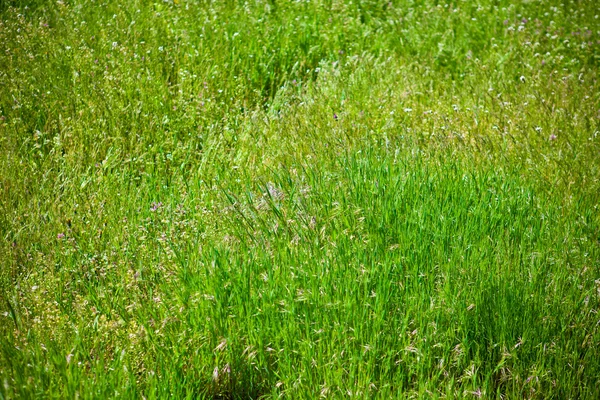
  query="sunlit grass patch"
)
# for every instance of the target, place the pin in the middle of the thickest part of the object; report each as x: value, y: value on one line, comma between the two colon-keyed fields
x: 299, y: 199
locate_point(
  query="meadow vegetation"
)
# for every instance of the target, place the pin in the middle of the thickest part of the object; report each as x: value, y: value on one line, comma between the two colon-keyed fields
x: 299, y: 199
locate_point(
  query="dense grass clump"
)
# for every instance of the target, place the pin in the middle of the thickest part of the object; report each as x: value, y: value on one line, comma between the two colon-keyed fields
x: 299, y: 199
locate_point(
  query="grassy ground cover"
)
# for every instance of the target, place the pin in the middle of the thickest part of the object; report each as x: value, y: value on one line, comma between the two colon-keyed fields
x: 299, y: 199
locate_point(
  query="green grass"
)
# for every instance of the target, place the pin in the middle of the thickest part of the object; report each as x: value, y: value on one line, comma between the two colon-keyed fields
x: 299, y: 199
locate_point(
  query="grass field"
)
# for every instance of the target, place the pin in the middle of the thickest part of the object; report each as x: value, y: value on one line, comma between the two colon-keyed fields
x: 299, y: 199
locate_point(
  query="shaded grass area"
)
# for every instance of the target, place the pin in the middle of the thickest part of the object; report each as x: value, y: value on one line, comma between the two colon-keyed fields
x: 299, y: 199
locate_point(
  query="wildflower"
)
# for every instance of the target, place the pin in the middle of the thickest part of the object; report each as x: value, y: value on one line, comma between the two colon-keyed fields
x: 335, y: 116
x: 155, y: 206
x: 274, y: 192
x: 552, y: 137
x: 60, y: 236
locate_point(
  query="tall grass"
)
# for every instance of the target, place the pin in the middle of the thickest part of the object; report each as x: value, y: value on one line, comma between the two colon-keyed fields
x: 299, y: 199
